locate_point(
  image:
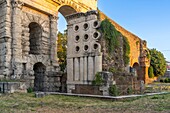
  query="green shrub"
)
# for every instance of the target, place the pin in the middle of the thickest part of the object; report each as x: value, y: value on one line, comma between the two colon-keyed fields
x: 110, y: 34
x: 158, y: 62
x: 126, y: 51
x: 112, y: 69
x: 113, y: 90
x: 98, y: 80
x: 150, y: 72
x: 30, y: 90
x: 129, y: 90
x: 166, y: 80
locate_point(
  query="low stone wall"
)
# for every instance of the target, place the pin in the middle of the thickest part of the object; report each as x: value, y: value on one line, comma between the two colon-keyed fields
x: 128, y: 84
x: 87, y: 89
x: 11, y: 87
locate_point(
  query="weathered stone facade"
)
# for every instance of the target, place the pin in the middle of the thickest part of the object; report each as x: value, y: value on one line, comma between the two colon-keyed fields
x: 84, y: 57
x: 28, y: 36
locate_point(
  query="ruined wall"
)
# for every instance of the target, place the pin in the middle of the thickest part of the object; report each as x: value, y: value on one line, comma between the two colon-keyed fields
x: 112, y: 61
x: 134, y: 41
x: 138, y: 51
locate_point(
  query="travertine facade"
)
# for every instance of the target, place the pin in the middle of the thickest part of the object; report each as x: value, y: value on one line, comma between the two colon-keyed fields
x: 84, y: 57
x: 28, y: 35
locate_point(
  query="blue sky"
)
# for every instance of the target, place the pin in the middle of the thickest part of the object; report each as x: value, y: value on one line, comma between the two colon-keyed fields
x: 148, y: 19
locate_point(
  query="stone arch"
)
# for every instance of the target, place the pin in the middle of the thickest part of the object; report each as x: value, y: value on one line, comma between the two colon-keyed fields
x: 39, y: 73
x: 43, y: 24
x: 66, y: 10
x: 136, y: 68
x: 69, y: 8
x: 28, y: 18
x: 35, y: 38
x: 39, y: 58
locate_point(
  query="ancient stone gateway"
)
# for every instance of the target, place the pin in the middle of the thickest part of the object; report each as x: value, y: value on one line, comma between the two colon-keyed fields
x: 28, y: 36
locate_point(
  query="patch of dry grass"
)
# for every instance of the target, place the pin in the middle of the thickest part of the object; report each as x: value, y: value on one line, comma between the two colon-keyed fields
x: 27, y: 103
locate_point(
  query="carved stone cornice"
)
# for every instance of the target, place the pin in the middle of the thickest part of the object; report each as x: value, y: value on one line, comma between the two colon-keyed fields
x: 78, y: 15
x: 71, y: 3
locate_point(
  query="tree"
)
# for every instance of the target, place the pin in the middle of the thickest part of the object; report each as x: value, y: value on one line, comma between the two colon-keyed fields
x: 150, y: 72
x: 158, y: 62
x: 61, y: 50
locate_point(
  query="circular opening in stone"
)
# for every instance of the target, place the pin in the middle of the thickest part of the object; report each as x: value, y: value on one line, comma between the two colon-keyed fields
x: 86, y: 26
x: 95, y: 35
x: 76, y: 28
x: 95, y: 24
x: 86, y: 47
x: 86, y: 36
x: 77, y: 48
x: 77, y: 38
x: 96, y: 46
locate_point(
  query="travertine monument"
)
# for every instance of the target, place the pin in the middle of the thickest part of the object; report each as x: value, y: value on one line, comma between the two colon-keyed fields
x: 28, y: 35
x: 84, y: 57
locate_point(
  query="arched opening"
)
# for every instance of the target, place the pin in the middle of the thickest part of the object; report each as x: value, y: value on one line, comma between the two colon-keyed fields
x: 136, y: 69
x: 66, y: 10
x: 39, y: 73
x: 35, y: 31
x: 62, y: 41
x: 62, y: 34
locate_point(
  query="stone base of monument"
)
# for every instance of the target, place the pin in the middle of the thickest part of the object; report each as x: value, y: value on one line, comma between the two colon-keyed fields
x: 11, y: 87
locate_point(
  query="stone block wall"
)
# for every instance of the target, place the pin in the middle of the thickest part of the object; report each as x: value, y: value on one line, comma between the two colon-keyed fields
x: 5, y: 38
x: 114, y: 60
x: 27, y: 37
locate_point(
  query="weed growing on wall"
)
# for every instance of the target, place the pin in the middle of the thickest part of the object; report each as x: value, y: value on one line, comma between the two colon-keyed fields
x: 110, y: 34
x: 126, y: 50
x: 98, y: 80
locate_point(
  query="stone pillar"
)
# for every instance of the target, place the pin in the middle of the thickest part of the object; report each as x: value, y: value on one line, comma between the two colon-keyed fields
x: 85, y: 69
x: 98, y: 64
x: 90, y: 68
x: 81, y: 69
x: 53, y: 39
x: 16, y: 38
x: 144, y: 65
x: 70, y: 70
x: 76, y: 69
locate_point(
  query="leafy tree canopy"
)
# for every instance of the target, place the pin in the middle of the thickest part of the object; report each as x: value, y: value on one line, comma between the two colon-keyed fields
x: 158, y: 62
x: 61, y: 50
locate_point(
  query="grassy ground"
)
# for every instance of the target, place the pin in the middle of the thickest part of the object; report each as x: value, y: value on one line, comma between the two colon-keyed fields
x: 27, y: 103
